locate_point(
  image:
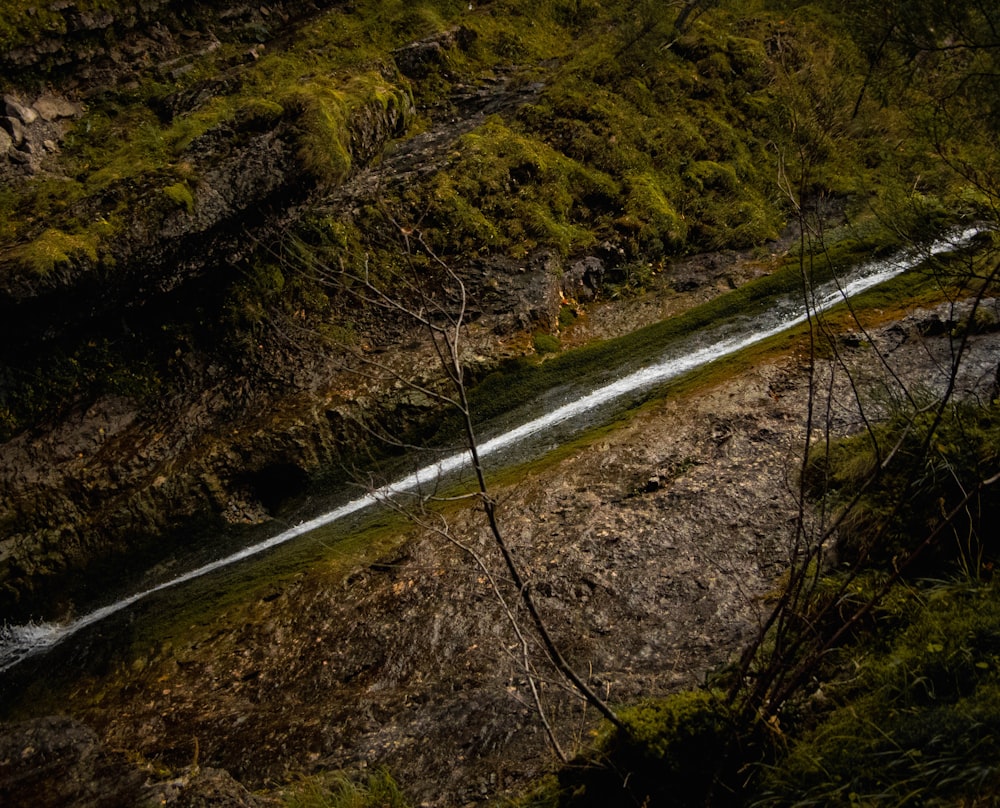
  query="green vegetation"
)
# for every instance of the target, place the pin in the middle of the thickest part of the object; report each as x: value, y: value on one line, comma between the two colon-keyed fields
x: 908, y: 705
x: 916, y: 719
x: 935, y: 470
x: 545, y: 343
x: 670, y: 748
x: 876, y: 682
x: 24, y: 22
x: 648, y: 141
x: 380, y: 791
x: 684, y: 141
x: 55, y: 248
x: 181, y: 196
x: 596, y: 157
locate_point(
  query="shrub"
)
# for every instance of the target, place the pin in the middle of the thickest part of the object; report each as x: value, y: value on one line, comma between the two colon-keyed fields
x: 918, y: 720
x: 546, y: 343
x: 928, y: 476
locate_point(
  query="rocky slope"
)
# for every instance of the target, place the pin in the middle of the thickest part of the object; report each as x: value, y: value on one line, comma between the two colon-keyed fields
x: 141, y: 410
x: 161, y: 369
x: 652, y: 550
x: 102, y: 468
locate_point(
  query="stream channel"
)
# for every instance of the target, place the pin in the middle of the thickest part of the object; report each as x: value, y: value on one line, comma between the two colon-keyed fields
x: 550, y: 421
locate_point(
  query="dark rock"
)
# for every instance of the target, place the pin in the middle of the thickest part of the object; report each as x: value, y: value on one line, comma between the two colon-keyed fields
x: 202, y: 788
x: 582, y: 280
x: 685, y: 284
x: 57, y: 761
x: 935, y: 325
x: 419, y: 59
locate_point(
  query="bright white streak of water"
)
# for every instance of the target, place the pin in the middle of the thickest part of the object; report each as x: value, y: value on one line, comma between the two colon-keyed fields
x: 19, y: 642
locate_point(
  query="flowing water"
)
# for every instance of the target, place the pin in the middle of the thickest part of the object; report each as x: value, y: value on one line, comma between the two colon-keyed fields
x: 529, y: 439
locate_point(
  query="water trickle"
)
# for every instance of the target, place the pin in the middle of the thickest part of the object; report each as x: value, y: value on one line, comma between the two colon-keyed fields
x: 20, y: 642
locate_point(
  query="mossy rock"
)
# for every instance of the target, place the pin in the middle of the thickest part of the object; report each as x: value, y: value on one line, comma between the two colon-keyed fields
x: 668, y: 755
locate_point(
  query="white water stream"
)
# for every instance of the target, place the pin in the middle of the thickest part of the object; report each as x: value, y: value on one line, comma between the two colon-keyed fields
x: 19, y: 642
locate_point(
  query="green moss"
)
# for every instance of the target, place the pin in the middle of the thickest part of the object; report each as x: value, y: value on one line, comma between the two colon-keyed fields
x: 650, y: 215
x: 917, y: 720
x: 545, y: 343
x: 567, y: 316
x: 379, y: 790
x: 23, y: 22
x: 921, y: 477
x: 54, y: 248
x: 324, y: 145
x: 180, y: 194
x: 505, y: 190
x: 668, y: 754
x: 120, y: 149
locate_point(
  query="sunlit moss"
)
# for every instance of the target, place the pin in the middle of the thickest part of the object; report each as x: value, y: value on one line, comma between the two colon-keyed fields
x: 378, y: 790
x: 55, y: 248
x: 649, y: 212
x: 180, y: 194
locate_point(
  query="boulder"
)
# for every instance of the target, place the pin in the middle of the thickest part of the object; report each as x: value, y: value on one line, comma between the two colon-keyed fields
x: 53, y: 107
x: 15, y: 109
x: 14, y: 128
x: 582, y: 280
x: 420, y: 59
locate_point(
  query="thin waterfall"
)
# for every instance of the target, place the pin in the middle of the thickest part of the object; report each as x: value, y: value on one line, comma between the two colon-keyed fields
x: 21, y: 641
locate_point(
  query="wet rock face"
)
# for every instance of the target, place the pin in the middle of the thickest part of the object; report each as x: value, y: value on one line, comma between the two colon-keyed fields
x: 583, y: 279
x: 54, y: 762
x: 58, y: 761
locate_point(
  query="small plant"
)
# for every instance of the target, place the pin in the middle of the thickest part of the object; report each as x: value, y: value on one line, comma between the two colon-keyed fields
x: 181, y: 196
x: 545, y: 343
x: 567, y: 316
x: 378, y: 791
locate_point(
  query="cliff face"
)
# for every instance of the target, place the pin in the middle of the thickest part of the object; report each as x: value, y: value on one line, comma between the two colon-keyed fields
x: 97, y: 468
x: 167, y: 350
x: 165, y: 417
